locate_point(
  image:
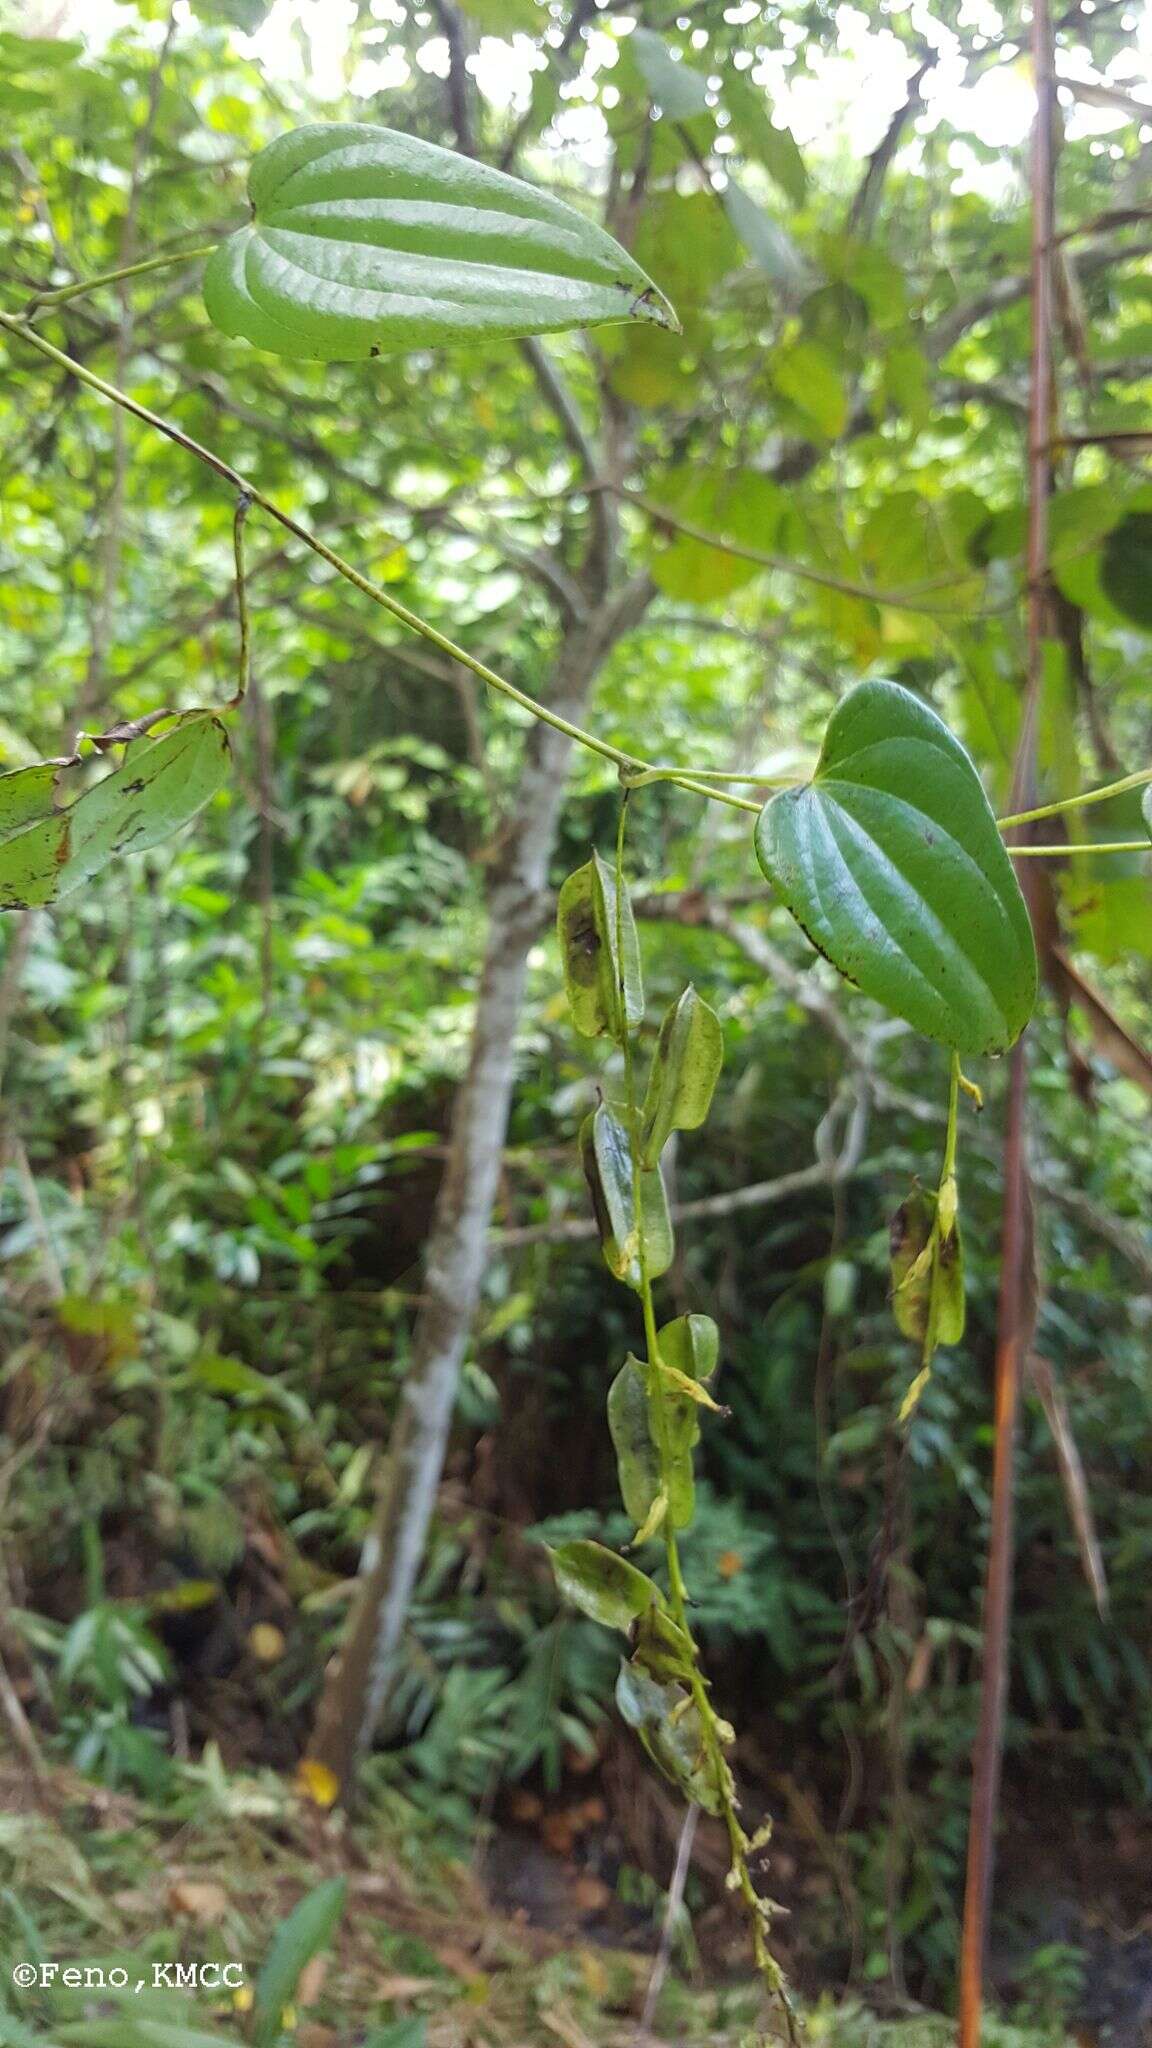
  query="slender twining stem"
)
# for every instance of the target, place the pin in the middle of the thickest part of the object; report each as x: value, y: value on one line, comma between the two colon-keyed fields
x: 390, y: 604
x: 670, y: 771
x: 43, y: 302
x: 712, y: 1731
x: 1083, y: 846
x: 944, y: 1223
x: 633, y: 768
x: 1071, y: 803
x: 244, y: 664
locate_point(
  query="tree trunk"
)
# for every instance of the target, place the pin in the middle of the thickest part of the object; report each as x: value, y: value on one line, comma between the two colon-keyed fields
x: 359, y: 1681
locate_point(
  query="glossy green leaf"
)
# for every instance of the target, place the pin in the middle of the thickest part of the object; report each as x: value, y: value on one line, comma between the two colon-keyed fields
x: 769, y: 245
x: 606, y: 1158
x: 602, y: 1585
x: 685, y: 1069
x: 759, y: 137
x: 891, y: 862
x: 308, y: 1930
x: 678, y: 90
x: 363, y: 239
x: 599, y: 950
x: 637, y: 1462
x: 690, y: 1345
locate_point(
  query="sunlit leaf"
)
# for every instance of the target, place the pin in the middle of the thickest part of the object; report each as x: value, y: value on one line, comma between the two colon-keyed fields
x: 807, y: 376
x: 891, y: 861
x: 769, y: 245
x: 363, y: 239
x: 159, y: 786
x: 678, y: 90
x: 759, y: 137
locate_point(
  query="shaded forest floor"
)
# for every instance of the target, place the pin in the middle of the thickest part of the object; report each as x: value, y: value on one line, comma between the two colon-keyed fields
x: 422, y: 1958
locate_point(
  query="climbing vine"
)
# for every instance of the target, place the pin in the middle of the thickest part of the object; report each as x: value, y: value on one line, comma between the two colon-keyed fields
x: 888, y: 856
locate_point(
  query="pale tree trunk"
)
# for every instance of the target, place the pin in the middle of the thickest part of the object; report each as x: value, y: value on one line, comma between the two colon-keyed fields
x: 359, y: 1681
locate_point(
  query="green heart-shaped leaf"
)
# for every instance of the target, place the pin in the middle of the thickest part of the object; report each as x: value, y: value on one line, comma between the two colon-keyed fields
x: 364, y: 240
x: 891, y: 861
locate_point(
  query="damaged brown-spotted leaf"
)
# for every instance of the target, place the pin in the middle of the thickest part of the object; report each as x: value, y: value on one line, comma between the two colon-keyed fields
x: 919, y: 1252
x: 47, y: 853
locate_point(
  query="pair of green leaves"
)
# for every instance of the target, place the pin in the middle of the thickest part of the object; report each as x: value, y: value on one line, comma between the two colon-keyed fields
x: 364, y: 240
x: 652, y: 1690
x: 891, y: 861
x: 654, y: 1488
x: 47, y: 853
x: 687, y: 1061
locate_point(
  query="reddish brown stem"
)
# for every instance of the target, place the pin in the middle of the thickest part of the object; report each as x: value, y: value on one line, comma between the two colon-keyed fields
x: 1016, y: 1305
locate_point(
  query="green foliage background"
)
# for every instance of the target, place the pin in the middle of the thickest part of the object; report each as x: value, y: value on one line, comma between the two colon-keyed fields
x: 226, y: 1070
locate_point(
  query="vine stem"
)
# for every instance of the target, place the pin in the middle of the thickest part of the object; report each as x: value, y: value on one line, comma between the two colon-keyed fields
x: 1071, y: 803
x: 710, y: 1726
x: 43, y: 302
x: 1088, y: 846
x: 629, y: 763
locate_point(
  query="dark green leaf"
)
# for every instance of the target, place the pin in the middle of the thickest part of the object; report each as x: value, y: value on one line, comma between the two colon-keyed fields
x: 678, y: 90
x: 1126, y: 568
x: 594, y: 964
x: 891, y: 861
x: 607, y: 1162
x: 685, y: 1069
x: 363, y: 239
x: 637, y: 1464
x: 605, y: 1587
x: 308, y: 1929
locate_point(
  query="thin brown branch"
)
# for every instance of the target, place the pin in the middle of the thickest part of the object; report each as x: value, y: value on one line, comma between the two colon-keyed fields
x: 1017, y: 1303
